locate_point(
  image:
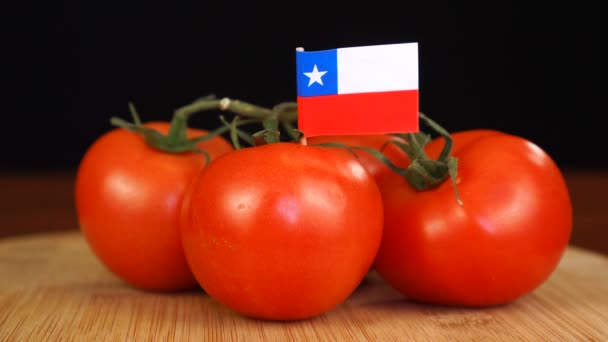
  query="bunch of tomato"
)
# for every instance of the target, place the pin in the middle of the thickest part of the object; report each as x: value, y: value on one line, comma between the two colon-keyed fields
x: 287, y: 230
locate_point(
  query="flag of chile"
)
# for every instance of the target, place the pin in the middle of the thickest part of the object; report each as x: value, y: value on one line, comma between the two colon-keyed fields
x: 358, y: 90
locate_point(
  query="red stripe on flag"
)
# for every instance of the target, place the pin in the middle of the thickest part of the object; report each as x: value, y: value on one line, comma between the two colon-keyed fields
x: 361, y: 113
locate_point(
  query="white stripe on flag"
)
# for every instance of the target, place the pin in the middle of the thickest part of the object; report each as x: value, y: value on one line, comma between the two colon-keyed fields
x: 376, y: 68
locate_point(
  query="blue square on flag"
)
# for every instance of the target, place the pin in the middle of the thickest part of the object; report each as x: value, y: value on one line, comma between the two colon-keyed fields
x: 317, y: 73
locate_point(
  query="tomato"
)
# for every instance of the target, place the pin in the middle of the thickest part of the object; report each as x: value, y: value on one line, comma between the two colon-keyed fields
x: 377, y: 142
x: 128, y: 198
x: 502, y: 243
x: 282, y: 231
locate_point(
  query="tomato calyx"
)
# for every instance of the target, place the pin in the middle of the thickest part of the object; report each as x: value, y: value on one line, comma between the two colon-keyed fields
x: 424, y: 173
x: 177, y: 141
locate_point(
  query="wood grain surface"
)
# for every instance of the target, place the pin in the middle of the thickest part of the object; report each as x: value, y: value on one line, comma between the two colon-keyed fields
x: 52, y: 288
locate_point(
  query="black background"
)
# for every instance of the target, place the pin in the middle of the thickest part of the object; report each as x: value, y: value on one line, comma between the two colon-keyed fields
x: 534, y: 72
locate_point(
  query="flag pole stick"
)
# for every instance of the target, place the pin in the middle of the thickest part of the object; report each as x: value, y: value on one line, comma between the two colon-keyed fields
x: 303, y: 138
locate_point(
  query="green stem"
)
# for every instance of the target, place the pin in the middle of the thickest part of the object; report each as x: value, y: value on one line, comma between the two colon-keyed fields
x: 244, y: 108
x: 179, y: 123
x: 286, y: 112
x: 236, y: 133
x: 177, y: 141
x: 231, y: 126
x: 223, y: 129
x: 291, y: 131
x: 245, y: 136
x: 447, y: 147
x: 422, y: 173
x: 134, y: 115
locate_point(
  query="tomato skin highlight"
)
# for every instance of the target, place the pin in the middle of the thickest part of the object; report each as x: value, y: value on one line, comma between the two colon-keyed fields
x: 128, y: 198
x: 505, y: 240
x: 288, y: 236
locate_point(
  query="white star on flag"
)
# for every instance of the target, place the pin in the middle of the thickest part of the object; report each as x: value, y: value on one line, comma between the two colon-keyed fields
x: 315, y: 76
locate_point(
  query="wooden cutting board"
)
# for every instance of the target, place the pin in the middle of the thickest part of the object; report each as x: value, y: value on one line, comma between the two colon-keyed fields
x: 53, y: 288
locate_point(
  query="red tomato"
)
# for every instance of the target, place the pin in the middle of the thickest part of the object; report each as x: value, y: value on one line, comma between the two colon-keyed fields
x: 282, y: 231
x: 375, y: 167
x: 128, y: 198
x: 506, y: 239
